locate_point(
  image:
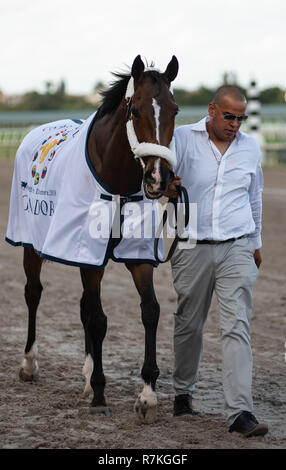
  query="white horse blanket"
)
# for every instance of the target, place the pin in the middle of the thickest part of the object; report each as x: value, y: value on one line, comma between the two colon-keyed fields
x: 60, y: 207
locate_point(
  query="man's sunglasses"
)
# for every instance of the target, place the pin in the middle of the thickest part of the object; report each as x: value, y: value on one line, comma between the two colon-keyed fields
x: 232, y: 117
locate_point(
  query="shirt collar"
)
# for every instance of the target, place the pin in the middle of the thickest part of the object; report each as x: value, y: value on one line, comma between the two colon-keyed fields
x: 201, y: 126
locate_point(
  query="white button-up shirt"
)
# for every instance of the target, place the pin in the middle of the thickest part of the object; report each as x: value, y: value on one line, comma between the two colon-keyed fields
x: 226, y: 188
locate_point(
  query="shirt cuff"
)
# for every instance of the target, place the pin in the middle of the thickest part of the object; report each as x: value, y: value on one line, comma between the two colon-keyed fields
x: 256, y: 241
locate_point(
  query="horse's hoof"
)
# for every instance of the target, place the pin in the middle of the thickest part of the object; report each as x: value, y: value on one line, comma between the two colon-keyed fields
x: 34, y: 377
x: 146, y: 411
x: 96, y: 410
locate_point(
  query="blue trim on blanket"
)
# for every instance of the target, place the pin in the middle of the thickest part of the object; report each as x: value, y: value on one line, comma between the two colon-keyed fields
x: 108, y: 256
x: 70, y: 263
x: 88, y: 161
x: 78, y: 121
x: 135, y: 261
x: 25, y: 245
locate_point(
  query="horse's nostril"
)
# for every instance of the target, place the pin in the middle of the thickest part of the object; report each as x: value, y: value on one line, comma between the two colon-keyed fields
x: 150, y: 180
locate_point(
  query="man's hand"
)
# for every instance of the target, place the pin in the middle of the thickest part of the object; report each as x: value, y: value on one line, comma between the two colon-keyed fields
x: 171, y: 190
x: 257, y: 258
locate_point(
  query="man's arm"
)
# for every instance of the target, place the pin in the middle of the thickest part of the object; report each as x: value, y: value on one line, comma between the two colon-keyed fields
x: 255, y: 199
x: 181, y: 141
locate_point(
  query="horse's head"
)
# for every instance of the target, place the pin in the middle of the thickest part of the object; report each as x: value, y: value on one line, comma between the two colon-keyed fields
x: 151, y: 111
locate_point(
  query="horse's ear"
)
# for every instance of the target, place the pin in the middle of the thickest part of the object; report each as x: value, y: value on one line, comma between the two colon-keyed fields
x: 172, y: 69
x: 137, y: 68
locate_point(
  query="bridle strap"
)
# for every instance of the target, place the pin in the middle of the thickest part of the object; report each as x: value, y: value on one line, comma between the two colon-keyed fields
x: 145, y: 149
x: 128, y: 118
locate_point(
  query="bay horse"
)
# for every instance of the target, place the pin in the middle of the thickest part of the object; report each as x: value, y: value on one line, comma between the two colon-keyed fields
x: 136, y: 119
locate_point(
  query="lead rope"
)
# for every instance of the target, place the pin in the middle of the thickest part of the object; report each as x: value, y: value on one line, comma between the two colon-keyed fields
x: 181, y: 192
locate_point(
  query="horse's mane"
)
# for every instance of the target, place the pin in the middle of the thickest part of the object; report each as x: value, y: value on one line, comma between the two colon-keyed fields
x: 111, y: 98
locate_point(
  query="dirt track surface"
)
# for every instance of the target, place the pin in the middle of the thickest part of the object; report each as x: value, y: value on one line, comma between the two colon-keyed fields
x: 53, y: 413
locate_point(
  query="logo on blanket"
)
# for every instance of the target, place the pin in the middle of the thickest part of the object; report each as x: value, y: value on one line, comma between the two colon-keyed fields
x: 38, y: 206
x: 48, y: 144
x: 37, y: 177
x: 61, y: 140
x: 46, y: 148
x: 53, y: 153
x: 44, y: 172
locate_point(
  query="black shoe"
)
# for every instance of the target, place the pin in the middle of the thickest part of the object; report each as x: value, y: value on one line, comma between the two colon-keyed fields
x: 248, y: 425
x: 183, y: 405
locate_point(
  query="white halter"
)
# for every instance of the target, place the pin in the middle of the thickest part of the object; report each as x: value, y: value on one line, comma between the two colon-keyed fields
x: 145, y: 149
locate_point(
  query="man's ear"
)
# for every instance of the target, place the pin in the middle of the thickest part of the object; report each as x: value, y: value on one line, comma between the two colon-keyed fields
x: 211, y: 109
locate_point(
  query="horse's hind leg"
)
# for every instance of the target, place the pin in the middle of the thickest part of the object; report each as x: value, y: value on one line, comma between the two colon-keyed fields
x: 146, y: 404
x: 33, y: 289
x: 95, y: 326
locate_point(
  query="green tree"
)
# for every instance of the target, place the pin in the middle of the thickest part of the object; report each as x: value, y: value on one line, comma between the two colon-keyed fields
x: 32, y: 100
x: 273, y: 95
x: 49, y: 85
x: 182, y: 97
x: 199, y: 97
x: 61, y: 89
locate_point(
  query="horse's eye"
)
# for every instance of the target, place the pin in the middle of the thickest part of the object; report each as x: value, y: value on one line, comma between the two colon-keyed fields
x: 135, y: 112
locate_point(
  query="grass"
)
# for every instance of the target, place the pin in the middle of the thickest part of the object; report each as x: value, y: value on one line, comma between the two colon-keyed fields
x: 8, y: 152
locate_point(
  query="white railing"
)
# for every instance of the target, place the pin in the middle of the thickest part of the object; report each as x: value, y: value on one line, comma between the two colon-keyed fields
x: 12, y: 136
x: 274, y: 136
x: 274, y: 132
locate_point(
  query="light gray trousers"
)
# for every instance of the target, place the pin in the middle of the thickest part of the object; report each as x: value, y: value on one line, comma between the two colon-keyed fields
x: 229, y: 270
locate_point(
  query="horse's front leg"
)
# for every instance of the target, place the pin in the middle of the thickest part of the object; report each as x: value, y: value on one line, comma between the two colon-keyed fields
x: 146, y: 403
x: 95, y: 325
x: 33, y: 289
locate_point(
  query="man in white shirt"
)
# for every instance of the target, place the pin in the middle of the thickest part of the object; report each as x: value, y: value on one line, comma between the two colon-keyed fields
x: 221, y: 170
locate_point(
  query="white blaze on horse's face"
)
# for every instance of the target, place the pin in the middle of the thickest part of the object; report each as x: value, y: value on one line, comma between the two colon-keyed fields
x: 156, y: 175
x: 156, y: 172
x: 157, y: 110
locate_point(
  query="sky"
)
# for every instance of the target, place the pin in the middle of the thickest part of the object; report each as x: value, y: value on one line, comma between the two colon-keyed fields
x: 83, y: 41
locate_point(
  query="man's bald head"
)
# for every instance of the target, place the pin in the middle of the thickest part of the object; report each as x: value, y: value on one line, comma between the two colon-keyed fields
x: 231, y: 91
x: 229, y: 100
